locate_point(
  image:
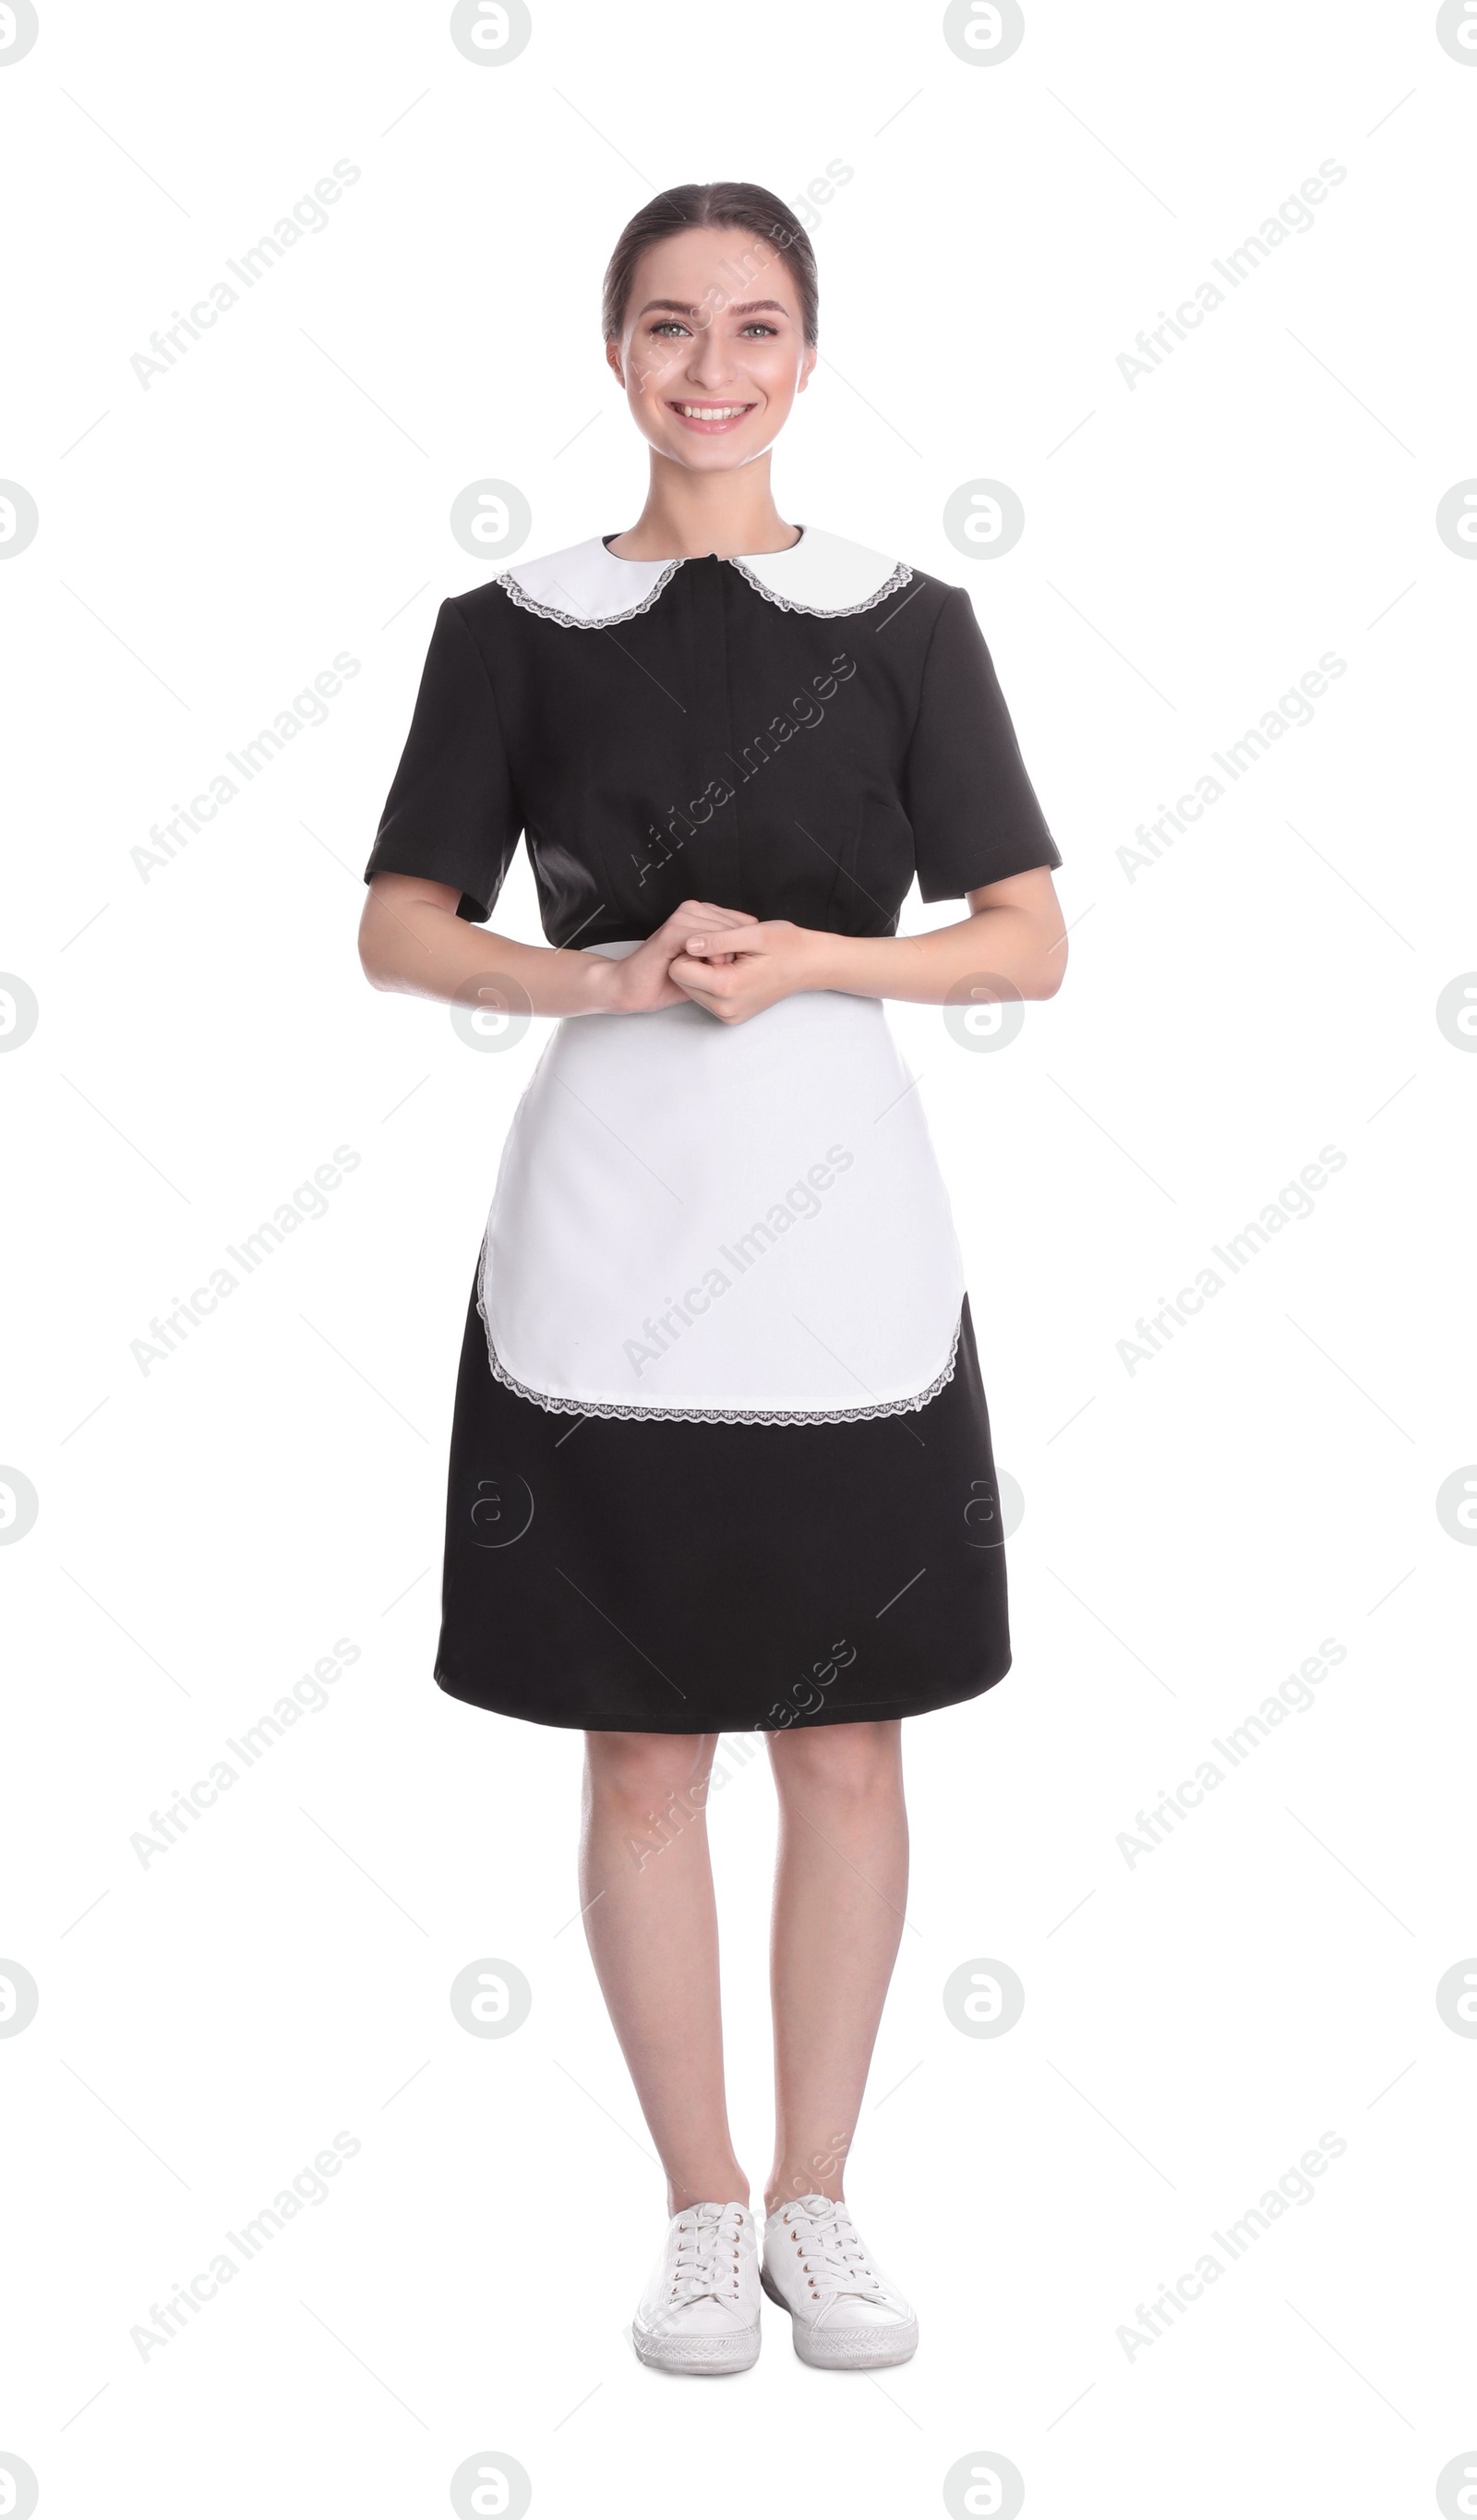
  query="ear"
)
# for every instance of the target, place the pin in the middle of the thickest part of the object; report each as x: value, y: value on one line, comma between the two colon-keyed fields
x: 806, y: 366
x: 612, y: 362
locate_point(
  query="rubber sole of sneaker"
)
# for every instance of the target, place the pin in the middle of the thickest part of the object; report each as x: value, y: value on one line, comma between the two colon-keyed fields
x: 846, y: 2349
x: 701, y: 2358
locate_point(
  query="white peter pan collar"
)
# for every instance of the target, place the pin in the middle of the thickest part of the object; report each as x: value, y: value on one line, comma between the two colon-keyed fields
x: 588, y: 587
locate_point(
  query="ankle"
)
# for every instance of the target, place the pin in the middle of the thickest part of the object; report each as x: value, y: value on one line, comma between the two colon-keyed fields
x: 780, y: 2190
x: 727, y: 2187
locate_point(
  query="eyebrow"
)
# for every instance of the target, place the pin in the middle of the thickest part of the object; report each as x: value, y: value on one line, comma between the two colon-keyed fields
x: 753, y: 306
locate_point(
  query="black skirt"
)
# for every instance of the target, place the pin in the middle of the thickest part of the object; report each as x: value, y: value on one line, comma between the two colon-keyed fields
x: 640, y: 1576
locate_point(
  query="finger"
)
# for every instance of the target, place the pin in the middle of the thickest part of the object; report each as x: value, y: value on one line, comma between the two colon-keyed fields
x: 725, y: 947
x: 714, y: 930
x: 698, y: 978
x: 712, y: 913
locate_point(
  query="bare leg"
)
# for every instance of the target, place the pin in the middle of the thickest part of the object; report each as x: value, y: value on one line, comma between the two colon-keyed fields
x: 840, y: 1888
x: 646, y: 1889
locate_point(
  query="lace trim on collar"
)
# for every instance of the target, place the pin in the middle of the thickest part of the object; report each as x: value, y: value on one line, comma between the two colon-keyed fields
x: 900, y: 577
x: 826, y: 611
x: 578, y: 621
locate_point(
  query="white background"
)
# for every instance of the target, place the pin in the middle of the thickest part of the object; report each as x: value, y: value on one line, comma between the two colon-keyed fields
x: 1193, y: 2022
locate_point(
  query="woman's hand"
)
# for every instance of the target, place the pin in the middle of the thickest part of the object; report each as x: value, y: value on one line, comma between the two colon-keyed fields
x: 1012, y: 945
x: 640, y: 982
x: 735, y: 976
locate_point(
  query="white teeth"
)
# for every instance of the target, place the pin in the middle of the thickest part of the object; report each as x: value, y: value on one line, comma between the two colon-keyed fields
x: 712, y: 411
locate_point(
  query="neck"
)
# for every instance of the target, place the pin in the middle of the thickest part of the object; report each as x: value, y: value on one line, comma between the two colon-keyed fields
x: 687, y: 515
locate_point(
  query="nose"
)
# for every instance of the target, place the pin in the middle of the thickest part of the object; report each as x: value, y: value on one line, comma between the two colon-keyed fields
x: 708, y: 366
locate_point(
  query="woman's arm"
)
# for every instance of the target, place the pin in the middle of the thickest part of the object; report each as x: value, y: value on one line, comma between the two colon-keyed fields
x: 1015, y: 933
x: 412, y: 941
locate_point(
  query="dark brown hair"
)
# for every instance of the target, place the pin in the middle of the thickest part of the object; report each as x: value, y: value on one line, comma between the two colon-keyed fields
x: 749, y: 206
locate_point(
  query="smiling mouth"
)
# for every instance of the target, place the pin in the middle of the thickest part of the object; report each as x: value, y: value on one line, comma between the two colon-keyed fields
x: 711, y: 416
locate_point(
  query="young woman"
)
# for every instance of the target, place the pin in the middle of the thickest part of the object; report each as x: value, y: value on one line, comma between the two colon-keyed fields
x: 721, y: 1457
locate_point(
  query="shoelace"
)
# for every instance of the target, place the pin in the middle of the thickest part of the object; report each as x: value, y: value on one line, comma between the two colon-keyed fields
x: 830, y: 2251
x: 705, y: 2263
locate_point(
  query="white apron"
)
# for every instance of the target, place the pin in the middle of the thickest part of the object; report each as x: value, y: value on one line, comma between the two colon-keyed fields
x: 722, y: 1222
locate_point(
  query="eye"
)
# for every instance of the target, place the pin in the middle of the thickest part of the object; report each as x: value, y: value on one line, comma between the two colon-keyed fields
x: 769, y: 330
x: 668, y: 324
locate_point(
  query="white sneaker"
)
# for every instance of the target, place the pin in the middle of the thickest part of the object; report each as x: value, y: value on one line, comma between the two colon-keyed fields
x: 845, y: 2315
x: 699, y: 2312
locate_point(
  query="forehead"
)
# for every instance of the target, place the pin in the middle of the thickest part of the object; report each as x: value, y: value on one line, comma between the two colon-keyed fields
x: 718, y: 268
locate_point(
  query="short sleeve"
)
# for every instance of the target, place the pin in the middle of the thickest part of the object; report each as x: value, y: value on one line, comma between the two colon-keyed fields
x: 451, y: 812
x: 974, y: 813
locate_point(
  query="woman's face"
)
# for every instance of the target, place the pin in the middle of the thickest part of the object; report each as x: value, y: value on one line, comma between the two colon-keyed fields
x: 712, y: 352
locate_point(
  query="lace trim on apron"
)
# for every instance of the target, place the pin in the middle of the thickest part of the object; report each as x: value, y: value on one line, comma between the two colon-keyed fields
x: 716, y: 1416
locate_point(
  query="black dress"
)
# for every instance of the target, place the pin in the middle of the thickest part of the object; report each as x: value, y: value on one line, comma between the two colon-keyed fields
x: 721, y: 1457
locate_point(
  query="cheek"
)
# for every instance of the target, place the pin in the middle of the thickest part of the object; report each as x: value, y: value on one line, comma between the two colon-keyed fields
x: 659, y: 357
x: 780, y: 377
x: 645, y: 362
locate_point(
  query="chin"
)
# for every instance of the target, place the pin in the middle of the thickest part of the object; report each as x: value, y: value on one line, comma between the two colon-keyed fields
x: 717, y: 454
x: 708, y: 459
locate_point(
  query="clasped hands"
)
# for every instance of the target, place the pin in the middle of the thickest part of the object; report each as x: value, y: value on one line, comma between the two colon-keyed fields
x: 726, y: 960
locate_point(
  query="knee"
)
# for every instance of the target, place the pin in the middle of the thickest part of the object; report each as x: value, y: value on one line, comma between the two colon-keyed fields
x: 642, y: 1772
x: 848, y: 1767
